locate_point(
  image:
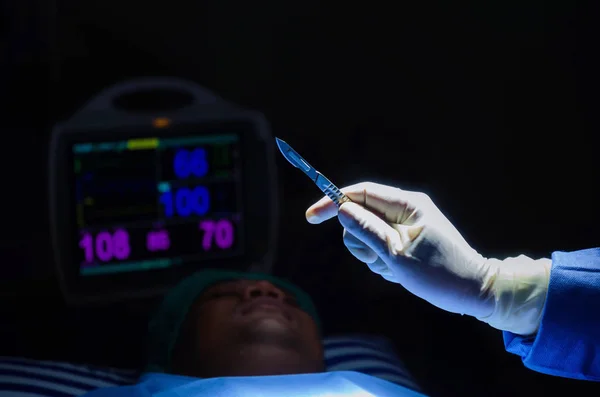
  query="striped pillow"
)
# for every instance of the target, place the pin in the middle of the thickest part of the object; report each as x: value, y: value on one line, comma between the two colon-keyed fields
x: 22, y: 377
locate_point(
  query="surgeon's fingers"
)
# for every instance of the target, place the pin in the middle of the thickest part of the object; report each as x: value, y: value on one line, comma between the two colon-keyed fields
x: 392, y: 204
x: 375, y: 233
x: 366, y: 255
x: 359, y: 249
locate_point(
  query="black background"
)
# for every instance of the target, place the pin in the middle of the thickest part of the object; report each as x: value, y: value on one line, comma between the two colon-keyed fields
x: 488, y: 108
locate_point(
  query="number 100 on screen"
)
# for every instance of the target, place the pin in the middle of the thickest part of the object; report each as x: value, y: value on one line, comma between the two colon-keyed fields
x: 186, y: 201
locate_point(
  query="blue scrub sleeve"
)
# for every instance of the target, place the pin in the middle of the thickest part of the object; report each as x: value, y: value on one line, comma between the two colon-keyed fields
x: 568, y: 341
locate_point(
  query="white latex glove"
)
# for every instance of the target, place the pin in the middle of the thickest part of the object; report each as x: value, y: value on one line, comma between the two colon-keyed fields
x: 405, y: 238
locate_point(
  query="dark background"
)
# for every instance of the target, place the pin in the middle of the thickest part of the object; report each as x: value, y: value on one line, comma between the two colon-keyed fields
x: 488, y: 108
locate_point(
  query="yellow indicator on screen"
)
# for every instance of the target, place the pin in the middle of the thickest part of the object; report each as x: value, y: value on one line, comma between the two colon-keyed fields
x: 88, y: 201
x: 142, y: 144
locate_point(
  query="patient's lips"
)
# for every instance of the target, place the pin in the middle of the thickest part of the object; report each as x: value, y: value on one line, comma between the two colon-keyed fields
x: 265, y: 306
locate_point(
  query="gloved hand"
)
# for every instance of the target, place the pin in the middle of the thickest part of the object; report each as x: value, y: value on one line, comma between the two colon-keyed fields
x: 405, y: 238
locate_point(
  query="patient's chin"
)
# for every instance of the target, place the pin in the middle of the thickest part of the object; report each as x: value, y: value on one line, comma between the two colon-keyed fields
x: 271, y: 324
x: 271, y: 333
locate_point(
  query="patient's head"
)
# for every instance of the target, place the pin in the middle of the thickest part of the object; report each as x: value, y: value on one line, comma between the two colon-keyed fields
x: 235, y: 324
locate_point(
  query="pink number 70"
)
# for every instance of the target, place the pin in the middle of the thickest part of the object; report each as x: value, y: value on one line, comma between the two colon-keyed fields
x: 221, y: 232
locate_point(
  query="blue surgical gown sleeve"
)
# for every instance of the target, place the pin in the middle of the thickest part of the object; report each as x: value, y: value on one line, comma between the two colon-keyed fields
x: 567, y: 343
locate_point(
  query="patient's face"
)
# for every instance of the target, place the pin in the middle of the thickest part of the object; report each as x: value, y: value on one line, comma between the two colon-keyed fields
x: 243, y: 328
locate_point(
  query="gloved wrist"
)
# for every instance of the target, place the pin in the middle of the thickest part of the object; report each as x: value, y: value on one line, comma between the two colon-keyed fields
x: 518, y: 286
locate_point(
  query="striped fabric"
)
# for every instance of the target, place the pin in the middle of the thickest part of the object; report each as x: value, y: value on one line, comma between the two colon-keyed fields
x: 368, y: 354
x: 21, y: 377
x: 24, y: 378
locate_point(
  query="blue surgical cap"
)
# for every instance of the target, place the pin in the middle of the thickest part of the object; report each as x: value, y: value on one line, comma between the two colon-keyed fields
x: 164, y: 327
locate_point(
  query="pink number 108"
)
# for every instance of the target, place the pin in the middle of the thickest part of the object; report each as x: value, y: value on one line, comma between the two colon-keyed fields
x: 106, y: 246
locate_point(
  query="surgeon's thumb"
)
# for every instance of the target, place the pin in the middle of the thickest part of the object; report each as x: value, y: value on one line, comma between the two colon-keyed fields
x: 373, y: 231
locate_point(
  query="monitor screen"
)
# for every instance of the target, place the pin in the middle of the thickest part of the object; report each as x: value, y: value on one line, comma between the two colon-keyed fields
x: 154, y: 202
